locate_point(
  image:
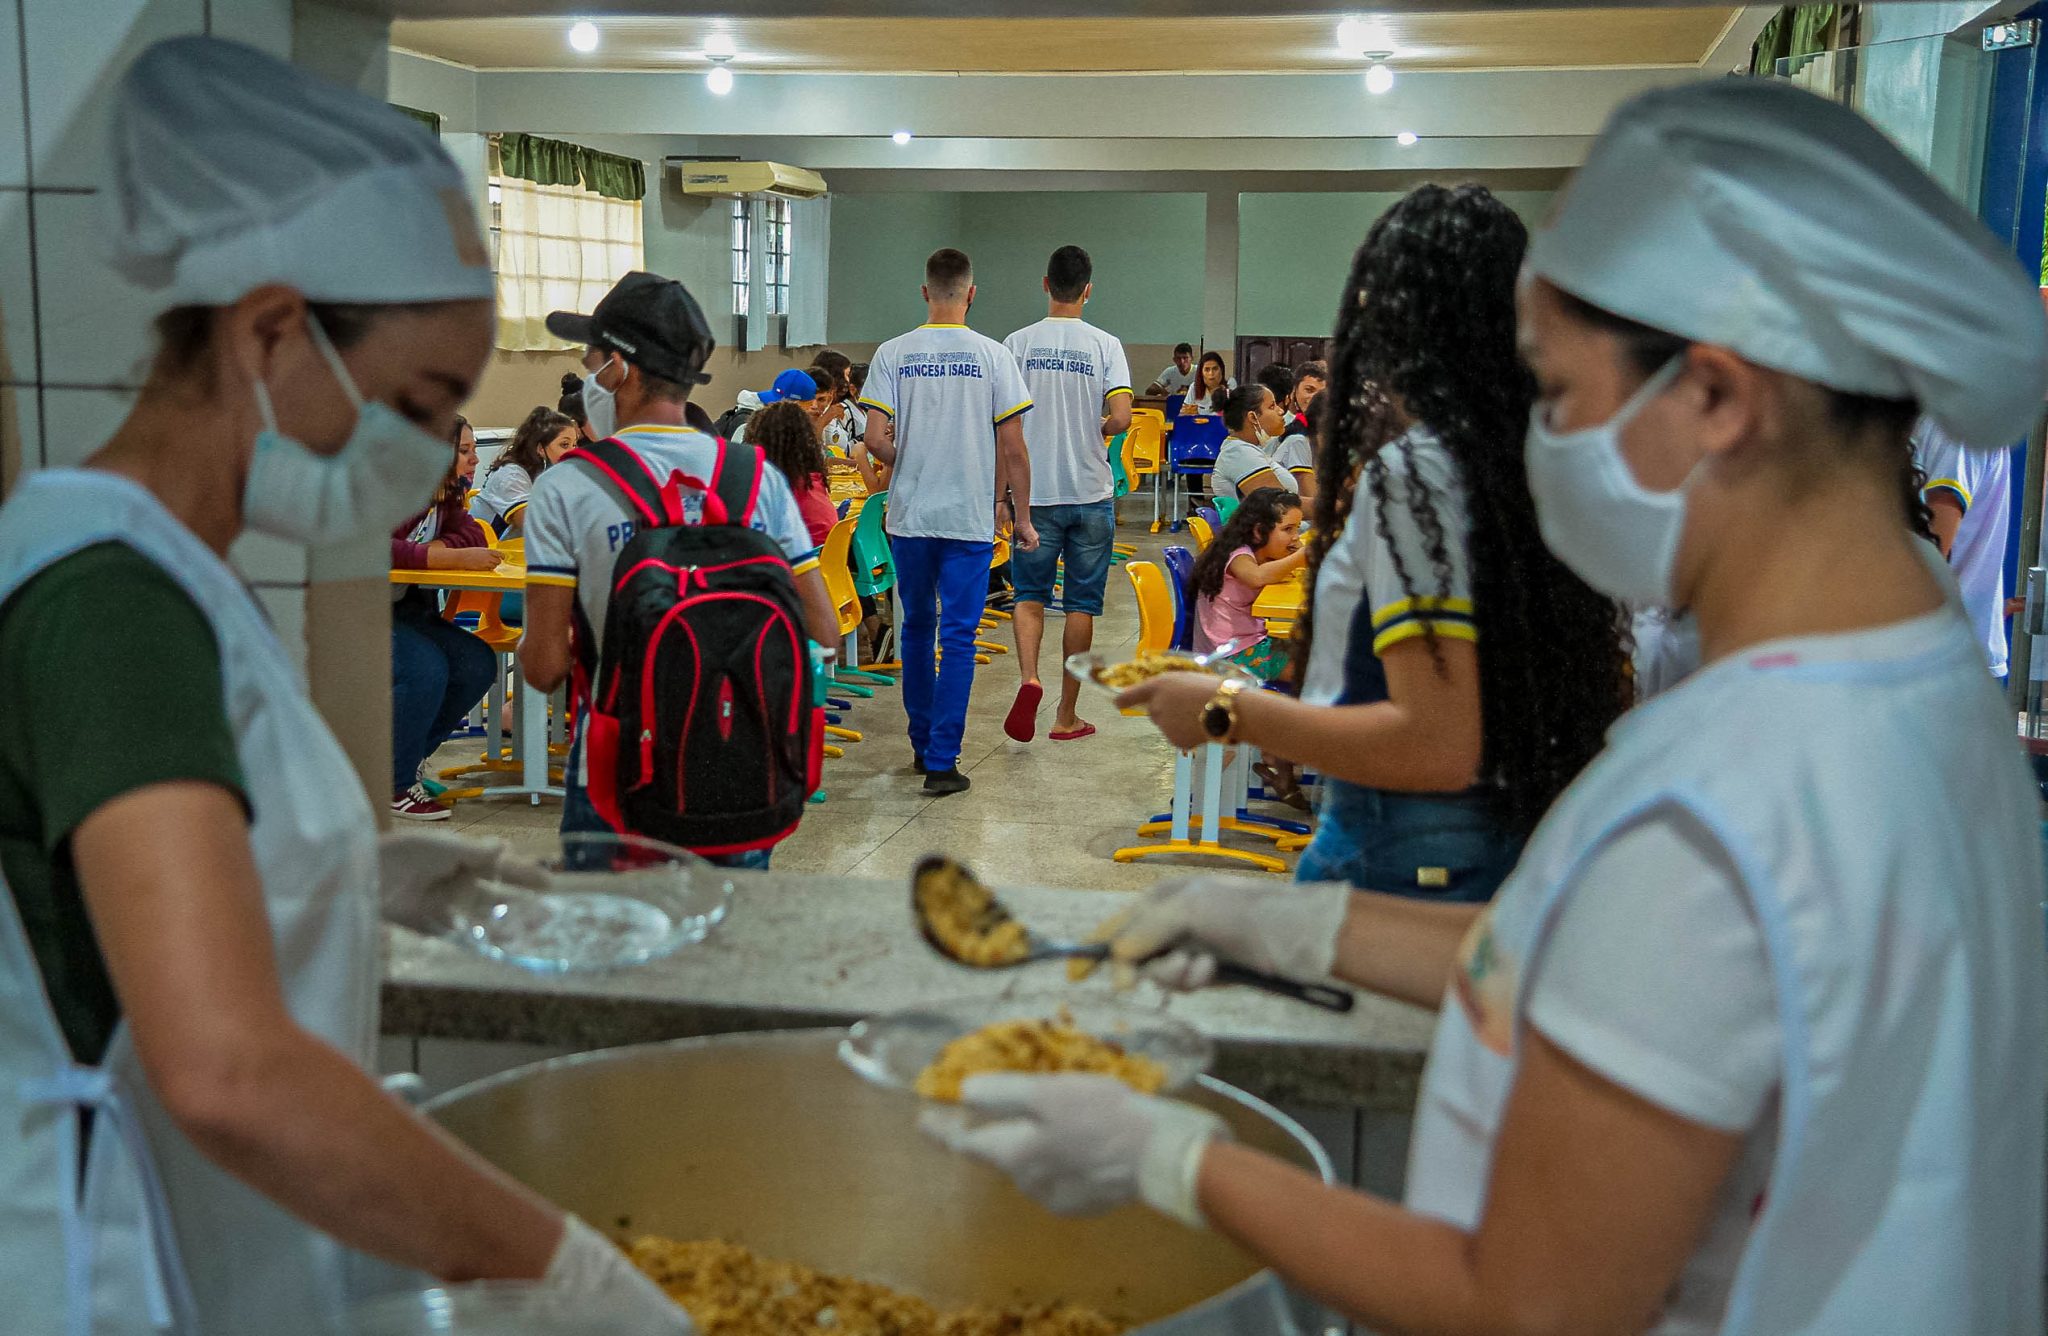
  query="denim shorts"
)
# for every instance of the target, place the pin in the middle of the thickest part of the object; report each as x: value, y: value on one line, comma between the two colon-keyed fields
x: 1084, y: 535
x: 1431, y: 846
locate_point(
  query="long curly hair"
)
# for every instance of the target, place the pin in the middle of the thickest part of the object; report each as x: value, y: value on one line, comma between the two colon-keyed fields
x: 1250, y: 525
x: 785, y: 433
x: 529, y: 446
x: 1426, y: 333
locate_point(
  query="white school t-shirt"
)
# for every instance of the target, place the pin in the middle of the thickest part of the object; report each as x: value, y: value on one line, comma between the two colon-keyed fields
x: 1982, y: 481
x: 1238, y: 459
x: 576, y: 526
x: 1071, y: 369
x: 504, y: 494
x: 1174, y: 380
x: 947, y: 388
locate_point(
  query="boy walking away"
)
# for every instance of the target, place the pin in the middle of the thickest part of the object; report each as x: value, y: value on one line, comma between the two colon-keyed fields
x: 1080, y: 385
x: 674, y: 575
x: 946, y: 407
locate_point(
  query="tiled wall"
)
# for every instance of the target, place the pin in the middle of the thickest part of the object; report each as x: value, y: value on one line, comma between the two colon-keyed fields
x: 74, y: 337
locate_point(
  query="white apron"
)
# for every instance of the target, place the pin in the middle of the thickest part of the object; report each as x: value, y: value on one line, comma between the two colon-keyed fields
x: 1884, y: 827
x: 157, y: 1237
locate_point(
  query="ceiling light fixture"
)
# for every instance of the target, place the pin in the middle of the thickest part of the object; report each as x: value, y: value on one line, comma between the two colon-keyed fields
x: 900, y: 137
x: 719, y: 46
x: 1407, y: 138
x: 1362, y: 37
x: 719, y: 81
x: 583, y: 35
x: 1379, y: 76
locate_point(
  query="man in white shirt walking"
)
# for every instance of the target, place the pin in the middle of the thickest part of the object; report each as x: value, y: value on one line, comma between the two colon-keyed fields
x: 947, y: 407
x: 1080, y: 386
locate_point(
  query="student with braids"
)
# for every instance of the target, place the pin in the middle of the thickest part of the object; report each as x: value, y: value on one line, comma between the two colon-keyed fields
x: 1455, y: 675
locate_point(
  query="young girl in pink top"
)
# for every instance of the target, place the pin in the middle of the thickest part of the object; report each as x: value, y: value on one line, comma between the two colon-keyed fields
x: 1260, y: 546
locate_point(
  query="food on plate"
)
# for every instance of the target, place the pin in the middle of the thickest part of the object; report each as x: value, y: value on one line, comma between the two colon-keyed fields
x: 964, y: 916
x: 729, y: 1290
x: 1119, y: 676
x: 1034, y: 1045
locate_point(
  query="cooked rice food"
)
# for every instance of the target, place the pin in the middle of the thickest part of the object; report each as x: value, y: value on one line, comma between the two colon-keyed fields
x: 961, y: 913
x: 1118, y: 676
x: 733, y: 1291
x: 1034, y: 1045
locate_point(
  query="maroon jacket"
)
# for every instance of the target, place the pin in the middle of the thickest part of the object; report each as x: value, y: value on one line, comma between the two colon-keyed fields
x: 457, y: 530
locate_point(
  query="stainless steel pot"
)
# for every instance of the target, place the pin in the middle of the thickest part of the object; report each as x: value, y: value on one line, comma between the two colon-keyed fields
x: 767, y: 1140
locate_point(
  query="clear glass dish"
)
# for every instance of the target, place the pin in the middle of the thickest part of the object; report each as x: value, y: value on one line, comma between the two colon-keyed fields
x: 892, y: 1049
x: 612, y: 901
x: 504, y: 1308
x: 1090, y: 667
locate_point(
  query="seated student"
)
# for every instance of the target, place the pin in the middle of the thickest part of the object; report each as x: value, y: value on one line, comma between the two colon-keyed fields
x: 1295, y: 452
x: 843, y: 421
x: 791, y: 384
x: 1211, y: 385
x: 788, y: 435
x: 541, y: 440
x: 570, y: 405
x: 1309, y: 380
x: 1176, y: 378
x: 438, y: 671
x: 1280, y: 380
x: 465, y: 456
x: 1259, y: 546
x: 1242, y: 464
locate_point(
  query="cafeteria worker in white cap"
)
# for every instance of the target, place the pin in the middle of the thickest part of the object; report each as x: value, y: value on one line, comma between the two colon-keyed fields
x: 189, y: 869
x: 1750, y: 1041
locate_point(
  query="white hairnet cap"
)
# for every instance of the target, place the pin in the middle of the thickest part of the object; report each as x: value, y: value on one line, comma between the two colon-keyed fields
x: 1788, y: 229
x: 232, y: 169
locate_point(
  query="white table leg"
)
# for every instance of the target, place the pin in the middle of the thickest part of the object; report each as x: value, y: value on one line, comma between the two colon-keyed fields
x: 1183, y: 793
x: 1212, y: 792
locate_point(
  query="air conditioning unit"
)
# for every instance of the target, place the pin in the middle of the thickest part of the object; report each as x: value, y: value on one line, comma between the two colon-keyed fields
x: 749, y: 178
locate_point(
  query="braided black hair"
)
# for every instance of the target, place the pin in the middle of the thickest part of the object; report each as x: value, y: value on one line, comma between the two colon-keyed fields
x: 1426, y: 333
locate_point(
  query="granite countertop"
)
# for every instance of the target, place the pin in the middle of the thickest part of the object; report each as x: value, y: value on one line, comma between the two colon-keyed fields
x: 803, y: 951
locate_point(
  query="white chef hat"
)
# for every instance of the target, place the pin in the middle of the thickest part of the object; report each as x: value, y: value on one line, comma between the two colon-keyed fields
x: 232, y: 169
x: 1753, y: 215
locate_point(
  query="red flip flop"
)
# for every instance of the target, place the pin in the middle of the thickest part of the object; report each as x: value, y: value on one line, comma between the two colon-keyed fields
x: 1022, y: 722
x: 1072, y: 735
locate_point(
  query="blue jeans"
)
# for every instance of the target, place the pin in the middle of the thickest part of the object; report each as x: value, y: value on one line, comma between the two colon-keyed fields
x: 438, y: 674
x: 579, y: 816
x: 1431, y: 846
x: 943, y: 583
x: 1085, y: 535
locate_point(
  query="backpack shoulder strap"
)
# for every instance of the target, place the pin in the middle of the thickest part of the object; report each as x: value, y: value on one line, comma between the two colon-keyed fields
x: 737, y: 482
x: 621, y: 470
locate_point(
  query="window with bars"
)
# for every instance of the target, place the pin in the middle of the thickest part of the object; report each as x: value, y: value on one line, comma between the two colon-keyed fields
x: 778, y: 245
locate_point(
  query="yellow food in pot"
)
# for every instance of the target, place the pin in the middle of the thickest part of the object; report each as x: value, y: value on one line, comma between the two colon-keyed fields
x: 1036, y: 1046
x: 965, y: 917
x: 732, y: 1291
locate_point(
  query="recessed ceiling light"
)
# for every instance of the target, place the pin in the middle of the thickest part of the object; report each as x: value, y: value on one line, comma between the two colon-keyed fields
x: 719, y: 46
x: 1379, y: 78
x: 719, y: 80
x: 901, y: 137
x: 1407, y: 138
x: 583, y: 35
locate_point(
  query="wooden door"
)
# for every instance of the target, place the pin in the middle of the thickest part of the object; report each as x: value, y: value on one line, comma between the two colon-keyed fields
x: 1256, y: 352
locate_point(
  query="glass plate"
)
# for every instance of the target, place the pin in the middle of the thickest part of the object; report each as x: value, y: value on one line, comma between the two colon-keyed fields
x: 1089, y: 667
x: 892, y: 1049
x: 612, y: 901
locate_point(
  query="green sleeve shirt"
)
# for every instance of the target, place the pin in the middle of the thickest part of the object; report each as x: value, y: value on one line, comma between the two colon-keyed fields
x: 110, y: 681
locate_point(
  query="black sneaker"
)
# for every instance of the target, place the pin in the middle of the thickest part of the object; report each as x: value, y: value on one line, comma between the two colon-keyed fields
x: 939, y: 783
x: 917, y: 765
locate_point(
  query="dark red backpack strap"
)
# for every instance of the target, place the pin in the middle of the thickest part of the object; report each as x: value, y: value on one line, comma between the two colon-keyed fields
x: 625, y: 473
x: 737, y: 481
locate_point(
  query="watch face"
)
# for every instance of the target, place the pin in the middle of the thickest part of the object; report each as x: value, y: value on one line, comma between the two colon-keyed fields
x: 1216, y: 721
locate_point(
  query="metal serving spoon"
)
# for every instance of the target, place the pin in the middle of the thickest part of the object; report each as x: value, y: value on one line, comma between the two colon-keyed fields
x: 1038, y: 947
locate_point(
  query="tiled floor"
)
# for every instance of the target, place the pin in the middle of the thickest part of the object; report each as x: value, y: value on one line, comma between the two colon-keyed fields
x: 1044, y: 813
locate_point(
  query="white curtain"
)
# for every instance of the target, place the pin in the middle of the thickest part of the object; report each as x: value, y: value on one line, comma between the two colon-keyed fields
x: 560, y: 248
x: 758, y: 317
x: 810, y: 222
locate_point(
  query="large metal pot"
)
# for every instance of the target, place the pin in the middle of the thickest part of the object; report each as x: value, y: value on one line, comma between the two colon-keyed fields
x: 767, y: 1140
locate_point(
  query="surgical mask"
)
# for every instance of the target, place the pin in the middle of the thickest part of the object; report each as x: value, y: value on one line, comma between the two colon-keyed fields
x: 600, y: 407
x: 1614, y: 533
x: 386, y: 470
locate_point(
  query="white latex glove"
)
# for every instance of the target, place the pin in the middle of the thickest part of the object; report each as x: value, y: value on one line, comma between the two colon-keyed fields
x: 422, y: 872
x: 1082, y: 1144
x: 586, y: 1261
x: 1287, y: 929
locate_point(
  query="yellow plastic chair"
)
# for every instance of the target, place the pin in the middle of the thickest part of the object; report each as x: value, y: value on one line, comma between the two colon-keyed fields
x: 845, y: 602
x: 1146, y: 441
x: 1155, y: 606
x: 1203, y: 534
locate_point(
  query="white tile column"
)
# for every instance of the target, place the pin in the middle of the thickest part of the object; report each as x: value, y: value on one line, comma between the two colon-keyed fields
x: 1219, y: 278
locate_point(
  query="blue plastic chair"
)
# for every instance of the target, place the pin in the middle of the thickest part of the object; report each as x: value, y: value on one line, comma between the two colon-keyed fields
x: 1180, y: 570
x: 1173, y: 403
x: 1211, y: 514
x: 1191, y: 449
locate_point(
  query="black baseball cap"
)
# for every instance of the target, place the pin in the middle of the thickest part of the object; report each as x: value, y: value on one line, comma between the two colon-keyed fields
x: 652, y: 322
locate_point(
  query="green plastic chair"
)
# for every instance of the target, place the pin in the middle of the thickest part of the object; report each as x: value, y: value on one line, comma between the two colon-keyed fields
x: 1226, y: 506
x: 874, y: 570
x: 1116, y: 465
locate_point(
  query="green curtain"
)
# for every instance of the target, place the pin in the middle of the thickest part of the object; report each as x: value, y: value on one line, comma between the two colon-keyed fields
x: 430, y: 119
x: 1794, y: 31
x: 551, y: 162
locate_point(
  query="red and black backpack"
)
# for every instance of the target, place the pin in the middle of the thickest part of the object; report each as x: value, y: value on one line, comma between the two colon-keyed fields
x: 697, y: 713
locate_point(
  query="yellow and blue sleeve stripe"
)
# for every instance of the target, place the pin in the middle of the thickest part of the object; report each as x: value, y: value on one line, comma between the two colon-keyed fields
x: 561, y: 577
x: 878, y: 406
x: 513, y: 513
x: 1950, y: 485
x: 1121, y: 389
x: 1007, y: 414
x: 1405, y: 619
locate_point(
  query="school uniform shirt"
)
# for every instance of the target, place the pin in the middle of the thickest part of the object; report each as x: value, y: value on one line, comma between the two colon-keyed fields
x: 1238, y: 459
x: 1981, y: 481
x: 1208, y: 403
x: 848, y: 425
x: 947, y: 388
x: 576, y: 526
x: 503, y: 496
x: 1294, y: 450
x: 1071, y: 370
x: 1174, y: 380
x: 1359, y: 598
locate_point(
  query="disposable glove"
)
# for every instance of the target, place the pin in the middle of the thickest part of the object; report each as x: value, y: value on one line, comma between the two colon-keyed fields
x: 1289, y: 930
x: 587, y: 1262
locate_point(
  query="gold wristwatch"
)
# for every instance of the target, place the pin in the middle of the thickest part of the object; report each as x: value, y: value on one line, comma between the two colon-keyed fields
x: 1219, y: 716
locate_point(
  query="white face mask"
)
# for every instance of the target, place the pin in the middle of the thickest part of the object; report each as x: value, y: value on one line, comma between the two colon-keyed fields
x: 385, y: 471
x: 600, y: 406
x: 1614, y: 533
